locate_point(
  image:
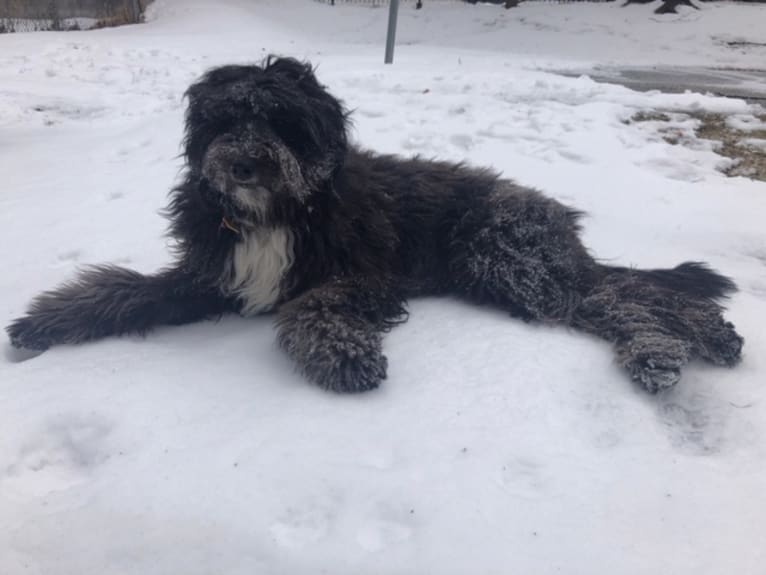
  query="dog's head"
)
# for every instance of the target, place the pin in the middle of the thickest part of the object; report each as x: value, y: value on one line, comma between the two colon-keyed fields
x: 261, y: 135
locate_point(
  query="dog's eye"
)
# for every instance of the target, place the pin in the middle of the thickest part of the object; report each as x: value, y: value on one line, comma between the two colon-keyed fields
x: 296, y: 135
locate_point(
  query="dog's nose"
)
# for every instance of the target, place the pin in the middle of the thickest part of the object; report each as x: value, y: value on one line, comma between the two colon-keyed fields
x: 242, y: 172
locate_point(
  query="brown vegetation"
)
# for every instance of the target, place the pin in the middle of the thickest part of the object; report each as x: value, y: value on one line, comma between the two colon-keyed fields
x: 749, y: 158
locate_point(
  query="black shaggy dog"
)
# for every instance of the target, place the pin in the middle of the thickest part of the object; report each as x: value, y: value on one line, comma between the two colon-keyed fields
x: 278, y: 212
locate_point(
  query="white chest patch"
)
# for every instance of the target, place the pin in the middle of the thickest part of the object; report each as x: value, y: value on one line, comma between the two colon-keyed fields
x: 257, y: 266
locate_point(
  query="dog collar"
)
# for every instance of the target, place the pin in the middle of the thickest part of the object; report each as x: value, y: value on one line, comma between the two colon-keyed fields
x: 225, y: 223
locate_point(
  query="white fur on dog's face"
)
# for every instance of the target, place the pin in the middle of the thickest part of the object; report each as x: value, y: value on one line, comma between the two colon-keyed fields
x: 251, y: 196
x: 273, y: 172
x: 257, y: 265
x: 255, y: 199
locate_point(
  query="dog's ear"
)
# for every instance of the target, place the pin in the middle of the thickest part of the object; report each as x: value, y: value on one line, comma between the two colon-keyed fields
x: 305, y: 115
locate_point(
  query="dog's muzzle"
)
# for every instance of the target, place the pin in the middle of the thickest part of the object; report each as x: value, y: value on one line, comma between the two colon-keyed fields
x: 227, y: 168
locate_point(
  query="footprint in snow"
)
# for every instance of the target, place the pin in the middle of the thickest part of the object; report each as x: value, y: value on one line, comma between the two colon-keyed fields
x: 63, y: 453
x: 389, y: 526
x: 694, y: 423
x: 300, y: 529
x: 524, y: 477
x: 305, y: 524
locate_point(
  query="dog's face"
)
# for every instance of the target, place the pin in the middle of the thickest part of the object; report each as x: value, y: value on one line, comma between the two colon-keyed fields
x: 258, y: 136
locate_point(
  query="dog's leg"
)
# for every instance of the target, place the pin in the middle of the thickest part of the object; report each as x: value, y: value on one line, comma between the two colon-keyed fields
x: 524, y: 254
x: 521, y: 254
x: 659, y: 323
x: 108, y: 300
x: 333, y: 332
x: 651, y: 352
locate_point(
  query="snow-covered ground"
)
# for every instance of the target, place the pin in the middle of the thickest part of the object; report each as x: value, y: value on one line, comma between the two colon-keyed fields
x: 494, y: 447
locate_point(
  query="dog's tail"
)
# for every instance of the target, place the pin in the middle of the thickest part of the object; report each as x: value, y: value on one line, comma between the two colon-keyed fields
x: 659, y: 319
x: 696, y: 279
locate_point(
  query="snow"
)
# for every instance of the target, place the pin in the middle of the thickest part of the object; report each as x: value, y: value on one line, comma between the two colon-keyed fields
x: 755, y: 143
x: 745, y: 123
x: 494, y: 447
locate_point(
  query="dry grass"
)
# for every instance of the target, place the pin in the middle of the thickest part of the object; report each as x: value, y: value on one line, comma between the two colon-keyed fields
x: 749, y: 160
x: 649, y: 116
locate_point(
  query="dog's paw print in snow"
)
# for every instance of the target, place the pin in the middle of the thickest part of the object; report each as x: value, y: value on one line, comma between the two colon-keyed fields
x: 695, y: 424
x: 523, y: 477
x: 387, y: 525
x: 607, y: 423
x: 305, y: 524
x: 63, y: 453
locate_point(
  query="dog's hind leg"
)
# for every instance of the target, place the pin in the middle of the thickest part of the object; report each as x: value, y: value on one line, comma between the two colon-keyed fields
x: 521, y: 252
x: 334, y: 332
x: 660, y: 319
x: 108, y: 300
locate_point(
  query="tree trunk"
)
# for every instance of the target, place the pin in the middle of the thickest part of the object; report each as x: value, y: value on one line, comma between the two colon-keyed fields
x: 669, y: 6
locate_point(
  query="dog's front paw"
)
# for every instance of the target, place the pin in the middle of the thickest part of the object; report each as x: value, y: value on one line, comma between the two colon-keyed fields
x: 29, y: 333
x: 337, y: 353
x: 347, y: 373
x: 655, y: 360
x: 656, y: 372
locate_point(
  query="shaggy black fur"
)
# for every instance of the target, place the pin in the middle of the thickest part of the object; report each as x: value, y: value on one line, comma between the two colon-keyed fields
x: 345, y: 236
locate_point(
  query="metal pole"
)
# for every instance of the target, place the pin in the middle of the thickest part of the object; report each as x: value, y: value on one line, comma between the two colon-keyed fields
x: 393, y: 9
